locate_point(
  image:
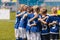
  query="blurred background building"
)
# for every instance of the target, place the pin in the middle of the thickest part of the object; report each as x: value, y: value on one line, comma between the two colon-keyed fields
x: 12, y: 4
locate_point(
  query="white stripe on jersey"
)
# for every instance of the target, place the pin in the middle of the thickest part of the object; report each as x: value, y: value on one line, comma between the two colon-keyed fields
x: 54, y: 33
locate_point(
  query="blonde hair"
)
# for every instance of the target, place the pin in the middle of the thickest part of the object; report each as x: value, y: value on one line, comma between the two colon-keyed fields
x: 42, y: 9
x: 36, y: 8
x: 22, y: 5
x: 54, y: 9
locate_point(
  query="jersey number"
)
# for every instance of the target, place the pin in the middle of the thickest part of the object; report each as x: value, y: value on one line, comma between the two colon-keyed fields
x: 45, y: 27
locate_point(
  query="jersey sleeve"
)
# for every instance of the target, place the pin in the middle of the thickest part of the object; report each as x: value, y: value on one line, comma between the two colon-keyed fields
x: 48, y: 20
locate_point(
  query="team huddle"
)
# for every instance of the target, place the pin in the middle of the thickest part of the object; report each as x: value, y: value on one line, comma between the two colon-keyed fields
x: 33, y: 23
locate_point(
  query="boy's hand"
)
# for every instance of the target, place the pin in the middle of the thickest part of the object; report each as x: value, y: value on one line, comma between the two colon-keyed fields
x: 30, y: 20
x: 39, y: 19
x: 46, y: 17
x: 30, y: 25
x: 54, y: 22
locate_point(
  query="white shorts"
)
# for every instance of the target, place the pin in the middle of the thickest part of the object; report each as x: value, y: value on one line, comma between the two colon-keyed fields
x: 22, y: 32
x: 33, y: 36
x: 17, y: 33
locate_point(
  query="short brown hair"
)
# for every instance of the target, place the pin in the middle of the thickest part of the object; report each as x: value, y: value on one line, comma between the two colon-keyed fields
x: 30, y: 9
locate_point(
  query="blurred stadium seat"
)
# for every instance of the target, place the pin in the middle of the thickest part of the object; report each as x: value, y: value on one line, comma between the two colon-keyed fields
x: 31, y: 2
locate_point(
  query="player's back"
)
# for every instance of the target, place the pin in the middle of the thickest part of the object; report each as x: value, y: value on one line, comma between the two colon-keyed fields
x: 23, y: 21
x: 54, y: 28
x: 29, y: 16
x: 45, y: 27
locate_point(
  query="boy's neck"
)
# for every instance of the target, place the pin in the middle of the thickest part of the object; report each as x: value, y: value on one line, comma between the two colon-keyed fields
x: 54, y: 14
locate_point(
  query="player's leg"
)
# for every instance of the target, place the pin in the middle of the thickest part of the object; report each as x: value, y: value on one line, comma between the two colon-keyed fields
x: 17, y: 34
x: 38, y: 36
x: 45, y: 37
x: 28, y: 35
x: 48, y: 37
x: 20, y: 33
x: 56, y: 36
x: 42, y: 37
x: 35, y: 36
x: 51, y: 36
x: 24, y: 34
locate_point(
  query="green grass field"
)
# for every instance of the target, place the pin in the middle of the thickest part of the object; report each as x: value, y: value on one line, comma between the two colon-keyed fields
x: 7, y: 28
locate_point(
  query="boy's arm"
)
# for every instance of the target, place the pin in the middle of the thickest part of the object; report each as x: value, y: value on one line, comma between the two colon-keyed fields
x: 45, y: 18
x: 41, y: 20
x: 54, y: 22
x: 34, y: 24
x: 20, y: 14
x: 50, y: 24
x: 48, y: 21
x: 36, y: 15
x: 24, y: 16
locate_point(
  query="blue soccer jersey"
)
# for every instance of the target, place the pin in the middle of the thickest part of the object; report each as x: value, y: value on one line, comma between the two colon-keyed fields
x: 54, y: 28
x: 45, y: 27
x: 35, y: 28
x: 59, y: 20
x: 29, y: 16
x: 17, y: 20
x: 23, y: 22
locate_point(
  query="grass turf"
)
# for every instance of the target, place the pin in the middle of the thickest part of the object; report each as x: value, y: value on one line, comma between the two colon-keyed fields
x: 7, y: 28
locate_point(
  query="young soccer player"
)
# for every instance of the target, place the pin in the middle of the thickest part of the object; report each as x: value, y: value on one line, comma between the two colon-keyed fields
x: 17, y: 24
x: 36, y: 15
x: 53, y: 22
x: 29, y: 15
x: 45, y: 27
x: 22, y: 25
x: 18, y: 18
x: 34, y: 26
